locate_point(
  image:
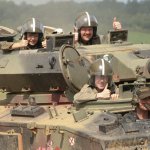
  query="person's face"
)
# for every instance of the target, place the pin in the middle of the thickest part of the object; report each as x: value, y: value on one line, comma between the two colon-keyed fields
x: 100, y: 82
x: 32, y: 38
x: 142, y: 104
x: 86, y: 33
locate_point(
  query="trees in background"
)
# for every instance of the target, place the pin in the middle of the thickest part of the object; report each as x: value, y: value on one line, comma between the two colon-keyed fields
x: 133, y: 15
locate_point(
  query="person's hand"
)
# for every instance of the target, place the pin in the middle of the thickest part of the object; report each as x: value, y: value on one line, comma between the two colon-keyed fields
x: 116, y: 24
x: 114, y: 96
x: 44, y: 44
x: 20, y: 44
x: 23, y: 43
x: 105, y: 94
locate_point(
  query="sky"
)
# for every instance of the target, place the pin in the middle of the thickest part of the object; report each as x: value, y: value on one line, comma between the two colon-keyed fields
x: 37, y: 2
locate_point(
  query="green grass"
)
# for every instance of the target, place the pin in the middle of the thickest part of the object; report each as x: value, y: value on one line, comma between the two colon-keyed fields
x: 139, y: 37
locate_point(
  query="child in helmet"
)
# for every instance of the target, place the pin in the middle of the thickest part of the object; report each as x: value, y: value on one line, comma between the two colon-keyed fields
x: 85, y: 28
x: 100, y: 84
x: 32, y: 36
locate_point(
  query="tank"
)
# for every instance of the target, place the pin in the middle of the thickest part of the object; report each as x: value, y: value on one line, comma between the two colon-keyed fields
x: 38, y: 113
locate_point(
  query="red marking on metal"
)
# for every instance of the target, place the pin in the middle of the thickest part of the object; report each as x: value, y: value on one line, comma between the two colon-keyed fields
x: 57, y: 148
x: 41, y: 148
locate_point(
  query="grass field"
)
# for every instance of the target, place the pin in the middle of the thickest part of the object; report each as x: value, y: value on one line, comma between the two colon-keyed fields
x: 138, y: 37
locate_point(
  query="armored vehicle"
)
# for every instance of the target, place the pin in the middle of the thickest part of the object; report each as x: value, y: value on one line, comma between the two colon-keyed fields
x: 38, y: 112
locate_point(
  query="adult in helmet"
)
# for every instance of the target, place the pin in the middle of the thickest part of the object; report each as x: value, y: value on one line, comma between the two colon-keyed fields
x: 32, y: 35
x: 143, y: 108
x: 141, y: 112
x: 100, y: 83
x: 85, y: 29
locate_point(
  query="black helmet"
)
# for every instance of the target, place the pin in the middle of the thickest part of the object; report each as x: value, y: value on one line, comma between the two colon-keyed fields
x: 100, y: 67
x: 85, y: 20
x: 33, y: 26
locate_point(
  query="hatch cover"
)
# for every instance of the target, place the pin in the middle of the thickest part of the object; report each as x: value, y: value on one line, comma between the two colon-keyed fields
x: 74, y: 67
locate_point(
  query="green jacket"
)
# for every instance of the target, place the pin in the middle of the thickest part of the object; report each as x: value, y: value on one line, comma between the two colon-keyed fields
x: 88, y: 93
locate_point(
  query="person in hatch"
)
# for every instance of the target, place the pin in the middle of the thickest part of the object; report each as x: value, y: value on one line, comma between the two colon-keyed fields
x: 85, y: 30
x: 100, y: 83
x: 32, y: 36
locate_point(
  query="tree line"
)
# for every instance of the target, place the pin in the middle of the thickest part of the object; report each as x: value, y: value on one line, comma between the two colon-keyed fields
x: 133, y: 15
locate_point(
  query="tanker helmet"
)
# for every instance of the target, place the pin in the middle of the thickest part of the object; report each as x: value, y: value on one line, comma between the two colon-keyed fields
x: 33, y: 26
x: 100, y: 67
x: 85, y: 20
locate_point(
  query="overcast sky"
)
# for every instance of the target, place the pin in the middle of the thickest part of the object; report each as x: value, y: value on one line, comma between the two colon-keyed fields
x: 36, y: 2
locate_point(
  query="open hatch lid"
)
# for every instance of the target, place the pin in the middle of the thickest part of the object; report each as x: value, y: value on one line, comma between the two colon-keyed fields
x: 74, y: 67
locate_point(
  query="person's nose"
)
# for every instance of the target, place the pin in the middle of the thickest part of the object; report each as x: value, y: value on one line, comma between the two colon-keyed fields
x: 87, y: 32
x: 100, y: 81
x: 32, y: 37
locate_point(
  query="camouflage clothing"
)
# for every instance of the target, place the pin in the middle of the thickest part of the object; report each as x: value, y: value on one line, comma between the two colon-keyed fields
x: 88, y: 93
